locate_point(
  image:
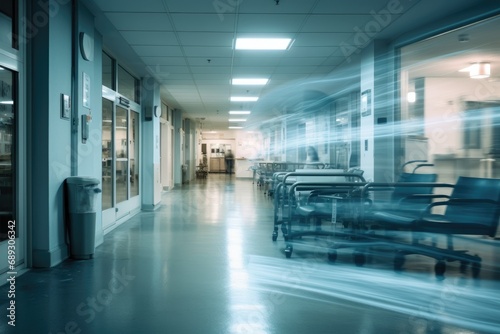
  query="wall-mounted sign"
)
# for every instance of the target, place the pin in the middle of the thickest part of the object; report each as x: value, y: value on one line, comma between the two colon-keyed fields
x: 65, y: 106
x: 86, y: 91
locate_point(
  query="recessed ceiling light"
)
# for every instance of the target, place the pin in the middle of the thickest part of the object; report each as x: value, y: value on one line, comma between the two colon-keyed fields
x: 478, y: 70
x: 250, y: 81
x: 239, y: 112
x: 262, y: 43
x: 235, y: 127
x: 237, y: 120
x: 244, y: 98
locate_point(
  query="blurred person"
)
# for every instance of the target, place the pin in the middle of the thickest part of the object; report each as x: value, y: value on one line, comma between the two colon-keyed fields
x: 312, y: 159
x: 229, y: 158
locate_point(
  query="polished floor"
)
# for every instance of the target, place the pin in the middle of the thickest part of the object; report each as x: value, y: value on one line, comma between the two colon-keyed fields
x: 204, y: 263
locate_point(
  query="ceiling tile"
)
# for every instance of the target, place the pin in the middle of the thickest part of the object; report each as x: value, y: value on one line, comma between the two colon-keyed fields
x: 207, y: 52
x: 348, y: 7
x: 149, y: 37
x: 149, y: 6
x: 294, y: 69
x: 286, y: 23
x: 171, y: 69
x: 335, y: 23
x: 320, y: 39
x: 177, y: 81
x: 152, y: 50
x: 205, y: 76
x: 203, y: 22
x: 318, y: 51
x: 270, y: 7
x: 302, y: 61
x: 169, y: 61
x: 213, y: 81
x: 140, y: 21
x: 178, y: 77
x: 253, y: 71
x: 256, y: 61
x: 176, y: 6
x: 217, y: 61
x: 218, y: 39
x: 211, y: 69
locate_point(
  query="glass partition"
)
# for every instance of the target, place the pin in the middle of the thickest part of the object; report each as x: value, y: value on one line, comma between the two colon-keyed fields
x: 8, y: 23
x: 128, y: 85
x: 134, y: 153
x: 7, y: 150
x: 107, y: 154
x: 449, y: 101
x: 122, y: 154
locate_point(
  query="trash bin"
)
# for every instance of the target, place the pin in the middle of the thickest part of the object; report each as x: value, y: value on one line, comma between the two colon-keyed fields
x: 82, y: 215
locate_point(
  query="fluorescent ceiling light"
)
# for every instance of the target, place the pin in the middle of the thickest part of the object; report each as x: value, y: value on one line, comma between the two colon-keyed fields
x: 262, y: 43
x: 244, y: 98
x: 235, y: 127
x: 237, y: 120
x: 478, y: 70
x: 256, y: 81
x: 7, y: 102
x: 239, y: 112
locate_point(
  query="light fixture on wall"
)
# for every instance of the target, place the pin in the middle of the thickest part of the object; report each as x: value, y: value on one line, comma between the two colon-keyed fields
x: 478, y: 70
x: 411, y: 97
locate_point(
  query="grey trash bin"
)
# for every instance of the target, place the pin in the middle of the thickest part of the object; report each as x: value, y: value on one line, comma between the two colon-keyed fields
x: 82, y: 215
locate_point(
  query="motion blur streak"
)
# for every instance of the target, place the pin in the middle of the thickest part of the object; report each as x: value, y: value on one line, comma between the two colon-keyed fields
x: 457, y: 301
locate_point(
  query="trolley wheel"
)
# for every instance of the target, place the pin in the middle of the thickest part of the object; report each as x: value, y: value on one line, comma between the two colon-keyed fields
x: 359, y: 258
x: 288, y: 251
x: 440, y: 268
x: 275, y: 236
x: 332, y: 255
x: 476, y: 269
x: 399, y: 261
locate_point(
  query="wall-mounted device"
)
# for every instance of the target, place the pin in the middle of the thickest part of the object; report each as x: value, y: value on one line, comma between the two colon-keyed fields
x: 150, y: 112
x: 65, y: 106
x: 86, y: 119
x: 86, y: 46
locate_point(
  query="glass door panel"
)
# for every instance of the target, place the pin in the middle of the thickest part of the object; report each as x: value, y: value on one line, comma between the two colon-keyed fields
x: 134, y: 153
x: 107, y: 154
x: 9, y: 228
x: 122, y: 155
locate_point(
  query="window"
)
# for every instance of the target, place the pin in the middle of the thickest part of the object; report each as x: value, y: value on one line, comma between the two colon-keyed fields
x: 108, y: 71
x: 128, y: 86
x: 8, y: 23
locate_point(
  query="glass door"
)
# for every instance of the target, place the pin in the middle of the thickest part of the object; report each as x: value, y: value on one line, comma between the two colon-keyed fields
x: 108, y: 163
x: 122, y: 155
x: 120, y: 158
x: 11, y: 230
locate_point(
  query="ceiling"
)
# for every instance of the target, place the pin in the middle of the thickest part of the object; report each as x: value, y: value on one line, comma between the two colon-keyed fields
x: 187, y: 45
